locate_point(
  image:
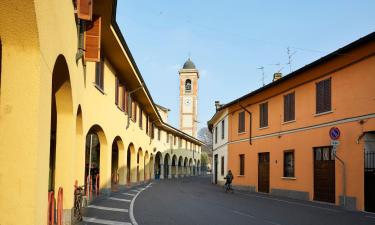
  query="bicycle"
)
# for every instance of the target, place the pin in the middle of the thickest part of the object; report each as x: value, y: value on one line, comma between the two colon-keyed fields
x: 228, y: 187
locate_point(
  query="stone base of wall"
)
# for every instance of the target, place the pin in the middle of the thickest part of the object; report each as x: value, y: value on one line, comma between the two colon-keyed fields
x: 349, y: 204
x: 243, y: 188
x: 301, y: 195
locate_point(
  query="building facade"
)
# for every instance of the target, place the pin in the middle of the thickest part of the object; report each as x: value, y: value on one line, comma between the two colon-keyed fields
x: 75, y: 110
x: 189, y: 76
x: 220, y: 146
x: 309, y: 135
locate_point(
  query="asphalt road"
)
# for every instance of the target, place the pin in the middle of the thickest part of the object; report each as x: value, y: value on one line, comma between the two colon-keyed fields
x: 195, y: 201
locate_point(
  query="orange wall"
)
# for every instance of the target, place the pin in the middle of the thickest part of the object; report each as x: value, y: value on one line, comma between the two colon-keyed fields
x: 353, y: 94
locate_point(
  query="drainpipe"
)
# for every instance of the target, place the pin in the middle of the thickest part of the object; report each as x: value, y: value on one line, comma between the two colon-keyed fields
x: 343, y: 179
x: 249, y: 121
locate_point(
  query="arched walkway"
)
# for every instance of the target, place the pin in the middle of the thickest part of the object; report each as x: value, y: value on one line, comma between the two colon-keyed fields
x: 79, y: 150
x: 131, y: 162
x: 146, y: 166
x: 190, y: 170
x: 117, y: 164
x: 61, y: 172
x: 185, y: 166
x: 180, y: 166
x: 167, y: 170
x: 140, y: 166
x: 159, y: 171
x: 97, y: 172
x: 174, y: 168
x: 152, y: 167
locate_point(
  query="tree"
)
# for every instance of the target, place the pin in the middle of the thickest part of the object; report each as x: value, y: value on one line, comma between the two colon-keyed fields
x: 206, y: 137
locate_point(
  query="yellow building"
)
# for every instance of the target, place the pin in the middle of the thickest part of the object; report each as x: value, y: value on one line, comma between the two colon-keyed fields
x: 70, y: 91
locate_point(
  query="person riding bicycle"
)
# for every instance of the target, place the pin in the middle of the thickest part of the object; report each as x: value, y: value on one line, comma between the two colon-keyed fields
x: 229, y: 179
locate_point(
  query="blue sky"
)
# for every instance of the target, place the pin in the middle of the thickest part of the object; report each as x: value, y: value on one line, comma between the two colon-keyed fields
x: 229, y: 40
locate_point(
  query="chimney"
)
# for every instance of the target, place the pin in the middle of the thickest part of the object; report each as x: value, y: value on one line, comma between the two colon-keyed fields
x: 217, y: 105
x: 277, y: 76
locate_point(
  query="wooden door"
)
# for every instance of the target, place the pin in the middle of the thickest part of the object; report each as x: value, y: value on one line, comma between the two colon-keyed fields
x: 324, y: 174
x: 370, y: 181
x: 264, y: 172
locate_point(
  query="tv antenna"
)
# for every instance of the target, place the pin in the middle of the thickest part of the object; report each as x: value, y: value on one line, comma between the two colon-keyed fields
x: 262, y: 68
x: 290, y: 55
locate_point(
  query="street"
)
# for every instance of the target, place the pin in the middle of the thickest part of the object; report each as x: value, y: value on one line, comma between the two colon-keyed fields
x: 194, y: 200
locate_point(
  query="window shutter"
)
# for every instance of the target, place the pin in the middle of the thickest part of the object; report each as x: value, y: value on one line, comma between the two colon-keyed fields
x: 84, y: 9
x: 125, y: 100
x: 92, y: 40
x: 135, y: 111
x: 286, y: 108
x: 319, y: 97
x: 292, y: 106
x: 265, y: 114
x: 327, y: 95
x: 116, y: 91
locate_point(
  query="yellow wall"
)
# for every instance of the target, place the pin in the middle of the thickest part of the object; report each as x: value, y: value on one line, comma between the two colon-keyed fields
x: 39, y: 43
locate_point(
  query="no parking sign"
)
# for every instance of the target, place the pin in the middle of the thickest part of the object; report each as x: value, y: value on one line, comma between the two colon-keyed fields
x: 334, y: 133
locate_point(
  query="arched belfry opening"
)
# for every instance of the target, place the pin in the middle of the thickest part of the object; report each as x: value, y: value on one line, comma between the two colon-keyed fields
x: 187, y: 85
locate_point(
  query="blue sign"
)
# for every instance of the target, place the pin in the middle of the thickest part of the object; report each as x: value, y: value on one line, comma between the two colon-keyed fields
x: 334, y: 133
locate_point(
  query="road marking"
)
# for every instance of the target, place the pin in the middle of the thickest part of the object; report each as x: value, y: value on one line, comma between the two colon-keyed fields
x: 107, y: 208
x: 372, y: 217
x: 242, y: 214
x: 131, y: 209
x: 128, y: 194
x: 119, y: 199
x: 107, y: 222
x: 289, y: 202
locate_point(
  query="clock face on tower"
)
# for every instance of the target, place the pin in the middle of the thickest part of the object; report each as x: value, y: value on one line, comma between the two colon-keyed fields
x: 188, y: 104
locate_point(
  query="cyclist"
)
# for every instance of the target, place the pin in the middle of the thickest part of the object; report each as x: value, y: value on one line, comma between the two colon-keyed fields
x: 229, y: 179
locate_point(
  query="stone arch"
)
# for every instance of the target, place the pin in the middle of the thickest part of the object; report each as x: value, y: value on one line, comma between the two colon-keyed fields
x: 61, y: 172
x: 117, y: 163
x: 140, y: 165
x: 151, y: 166
x: 167, y: 161
x: 146, y: 163
x: 186, y: 166
x: 180, y: 165
x: 190, y: 170
x: 131, y: 163
x: 158, y: 161
x: 174, y: 164
x: 79, y: 149
x: 188, y: 86
x: 96, y: 159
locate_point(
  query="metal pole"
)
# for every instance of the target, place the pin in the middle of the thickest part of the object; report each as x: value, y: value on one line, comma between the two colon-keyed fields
x: 344, y: 177
x: 90, y: 162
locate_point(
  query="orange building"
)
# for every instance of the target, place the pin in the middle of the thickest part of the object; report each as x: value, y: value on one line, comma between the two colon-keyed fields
x: 280, y: 136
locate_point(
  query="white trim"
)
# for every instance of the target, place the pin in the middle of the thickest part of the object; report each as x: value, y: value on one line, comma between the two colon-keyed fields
x: 119, y: 199
x: 323, y: 113
x: 107, y: 208
x: 348, y: 120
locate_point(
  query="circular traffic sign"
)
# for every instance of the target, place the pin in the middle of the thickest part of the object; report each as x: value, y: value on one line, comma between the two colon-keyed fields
x: 334, y: 133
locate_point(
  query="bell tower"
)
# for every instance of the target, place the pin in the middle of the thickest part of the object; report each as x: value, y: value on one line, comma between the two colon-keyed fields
x: 189, y: 76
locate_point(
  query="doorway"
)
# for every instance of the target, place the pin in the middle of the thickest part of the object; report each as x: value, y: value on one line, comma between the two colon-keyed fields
x: 324, y: 174
x: 215, y: 168
x: 370, y: 172
x: 264, y: 172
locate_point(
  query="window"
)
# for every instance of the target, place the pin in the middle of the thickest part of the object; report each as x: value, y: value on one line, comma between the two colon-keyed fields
x: 263, y: 112
x: 222, y: 129
x: 242, y: 164
x: 323, y: 96
x: 167, y: 136
x: 188, y: 86
x: 241, y: 122
x: 159, y: 134
x: 147, y: 125
x: 123, y: 103
x: 152, y: 130
x: 180, y: 142
x: 222, y: 166
x: 99, y: 74
x: 117, y: 87
x: 215, y: 134
x: 289, y: 164
x: 174, y: 140
x: 289, y: 107
x: 185, y: 144
x: 134, y: 117
x: 324, y: 153
x: 141, y: 118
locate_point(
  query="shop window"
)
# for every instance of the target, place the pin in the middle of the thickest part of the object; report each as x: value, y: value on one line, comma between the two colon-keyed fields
x: 241, y: 122
x: 289, y: 164
x: 242, y: 164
